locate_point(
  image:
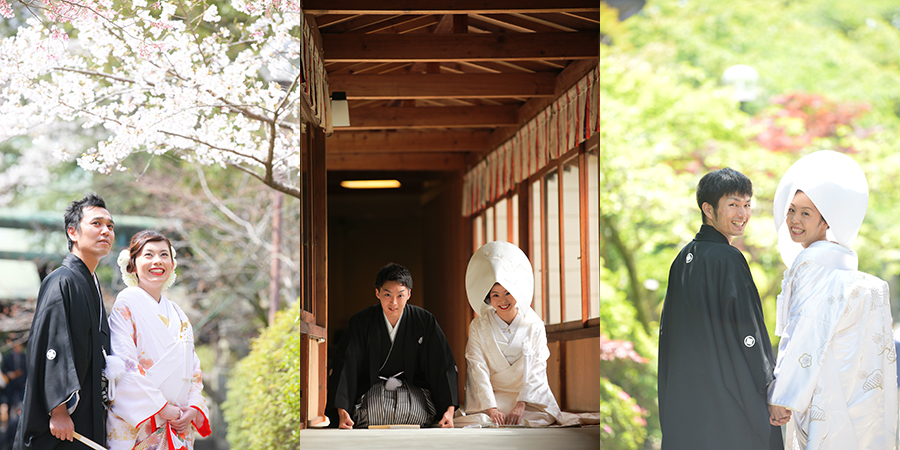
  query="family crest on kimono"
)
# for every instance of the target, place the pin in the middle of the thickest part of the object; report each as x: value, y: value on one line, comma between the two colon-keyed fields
x: 68, y: 338
x: 155, y: 378
x: 836, y: 367
x: 715, y: 358
x: 393, y: 365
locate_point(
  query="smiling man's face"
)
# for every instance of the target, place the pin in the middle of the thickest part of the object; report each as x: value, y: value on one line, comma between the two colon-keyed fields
x: 393, y: 297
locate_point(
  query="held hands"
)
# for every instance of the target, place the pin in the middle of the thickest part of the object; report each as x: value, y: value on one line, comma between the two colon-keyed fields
x: 170, y: 413
x: 779, y: 415
x: 61, y: 425
x: 183, y: 424
x: 346, y: 421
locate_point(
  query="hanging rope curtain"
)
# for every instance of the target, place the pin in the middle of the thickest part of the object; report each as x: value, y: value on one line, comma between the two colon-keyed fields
x: 572, y: 119
x: 315, y: 83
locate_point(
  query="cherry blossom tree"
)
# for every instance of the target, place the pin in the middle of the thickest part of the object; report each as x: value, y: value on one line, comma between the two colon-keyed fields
x: 165, y: 77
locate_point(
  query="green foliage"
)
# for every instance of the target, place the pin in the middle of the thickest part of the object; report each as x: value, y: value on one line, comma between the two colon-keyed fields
x: 623, y: 420
x: 638, y: 379
x: 263, y: 406
x: 828, y: 73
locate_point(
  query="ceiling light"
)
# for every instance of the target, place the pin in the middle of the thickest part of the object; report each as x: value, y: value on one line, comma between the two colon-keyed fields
x: 370, y: 184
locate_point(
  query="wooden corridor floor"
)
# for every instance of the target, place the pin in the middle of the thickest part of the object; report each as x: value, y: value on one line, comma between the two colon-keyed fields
x: 453, y: 439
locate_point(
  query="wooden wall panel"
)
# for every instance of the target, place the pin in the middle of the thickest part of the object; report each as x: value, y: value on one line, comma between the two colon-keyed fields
x: 315, y: 402
x: 553, y: 371
x: 366, y: 232
x: 582, y: 375
x: 446, y: 249
x: 575, y: 384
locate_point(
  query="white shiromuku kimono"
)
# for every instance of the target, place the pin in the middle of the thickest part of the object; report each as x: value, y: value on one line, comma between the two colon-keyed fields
x: 509, y: 367
x: 507, y: 363
x: 156, y: 341
x: 836, y: 366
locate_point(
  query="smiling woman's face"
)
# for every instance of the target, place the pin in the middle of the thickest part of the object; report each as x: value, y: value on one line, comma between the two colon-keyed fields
x: 153, y: 265
x: 503, y: 302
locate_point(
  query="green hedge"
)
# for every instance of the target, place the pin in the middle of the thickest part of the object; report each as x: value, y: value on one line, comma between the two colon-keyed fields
x: 263, y: 406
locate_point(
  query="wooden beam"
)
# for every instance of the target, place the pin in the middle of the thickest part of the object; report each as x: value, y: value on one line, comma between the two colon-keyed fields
x: 475, y: 85
x: 573, y: 334
x: 566, y: 79
x: 440, y: 162
x: 351, y: 47
x: 432, y: 117
x: 406, y: 141
x: 319, y: 7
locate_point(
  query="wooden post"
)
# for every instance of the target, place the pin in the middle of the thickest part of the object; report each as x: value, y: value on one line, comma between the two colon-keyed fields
x: 562, y: 245
x: 319, y: 222
x: 583, y: 174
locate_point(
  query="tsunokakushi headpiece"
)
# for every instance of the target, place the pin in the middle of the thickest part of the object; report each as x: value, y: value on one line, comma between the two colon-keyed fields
x: 836, y: 185
x: 499, y: 262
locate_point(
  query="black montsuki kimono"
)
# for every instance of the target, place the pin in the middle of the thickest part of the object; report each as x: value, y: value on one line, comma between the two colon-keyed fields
x: 65, y: 356
x: 420, y: 350
x: 715, y: 358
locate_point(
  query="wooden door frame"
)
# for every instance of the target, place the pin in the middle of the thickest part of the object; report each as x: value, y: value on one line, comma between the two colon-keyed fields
x: 313, y: 323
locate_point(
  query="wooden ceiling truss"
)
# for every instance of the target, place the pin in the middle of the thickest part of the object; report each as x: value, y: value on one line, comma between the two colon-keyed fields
x: 436, y: 85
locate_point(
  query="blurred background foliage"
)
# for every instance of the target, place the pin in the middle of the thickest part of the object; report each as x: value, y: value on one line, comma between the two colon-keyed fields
x: 828, y: 79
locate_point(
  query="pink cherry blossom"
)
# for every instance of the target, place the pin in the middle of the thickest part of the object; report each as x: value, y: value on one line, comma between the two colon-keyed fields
x: 6, y: 10
x: 140, y: 79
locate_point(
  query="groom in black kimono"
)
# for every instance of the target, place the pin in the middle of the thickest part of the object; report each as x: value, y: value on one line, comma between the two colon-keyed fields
x: 68, y: 336
x: 715, y: 358
x: 393, y: 364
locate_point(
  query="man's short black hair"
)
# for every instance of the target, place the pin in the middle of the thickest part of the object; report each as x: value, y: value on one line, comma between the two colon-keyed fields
x: 718, y: 184
x: 393, y: 272
x: 75, y: 212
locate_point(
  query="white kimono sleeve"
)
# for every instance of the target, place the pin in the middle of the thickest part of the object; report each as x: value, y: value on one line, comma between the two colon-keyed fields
x: 196, y: 400
x: 195, y: 397
x: 137, y: 399
x: 536, y: 354
x: 480, y: 393
x: 815, y: 310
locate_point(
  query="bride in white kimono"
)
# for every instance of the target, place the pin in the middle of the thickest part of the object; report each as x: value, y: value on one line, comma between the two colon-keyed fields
x: 507, y: 348
x: 156, y: 397
x: 836, y: 367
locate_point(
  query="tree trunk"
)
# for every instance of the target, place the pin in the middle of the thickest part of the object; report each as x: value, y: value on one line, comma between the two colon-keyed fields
x: 637, y: 294
x: 275, y: 271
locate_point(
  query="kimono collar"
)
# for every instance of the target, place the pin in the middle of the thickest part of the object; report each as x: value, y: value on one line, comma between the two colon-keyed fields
x: 77, y: 265
x: 499, y: 262
x: 710, y: 233
x: 836, y: 185
x: 830, y: 254
x: 392, y: 329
